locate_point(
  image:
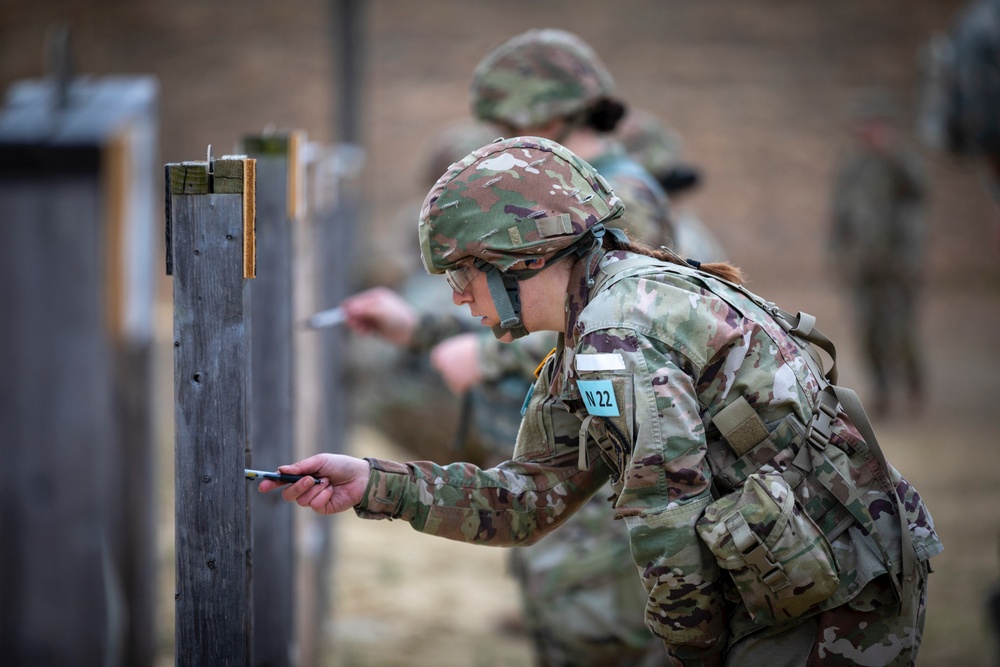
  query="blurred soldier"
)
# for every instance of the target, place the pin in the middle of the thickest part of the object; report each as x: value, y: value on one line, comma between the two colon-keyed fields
x: 961, y: 91
x: 658, y: 149
x: 973, y: 119
x: 877, y: 244
x: 400, y: 393
x: 549, y: 83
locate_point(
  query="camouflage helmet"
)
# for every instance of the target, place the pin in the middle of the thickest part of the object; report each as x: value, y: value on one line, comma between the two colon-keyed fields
x: 649, y: 141
x: 512, y: 200
x: 536, y: 77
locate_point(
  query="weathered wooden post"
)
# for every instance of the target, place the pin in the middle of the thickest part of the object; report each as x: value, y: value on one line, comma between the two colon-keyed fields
x: 211, y: 255
x: 279, y: 205
x: 77, y: 195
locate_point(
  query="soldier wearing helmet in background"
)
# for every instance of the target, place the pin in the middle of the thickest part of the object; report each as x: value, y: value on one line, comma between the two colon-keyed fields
x: 549, y: 83
x: 877, y: 241
x: 399, y: 391
x: 766, y: 528
x: 658, y: 149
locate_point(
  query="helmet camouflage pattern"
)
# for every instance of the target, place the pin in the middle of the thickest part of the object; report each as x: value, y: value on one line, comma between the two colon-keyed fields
x: 512, y: 200
x: 536, y: 77
x: 649, y: 141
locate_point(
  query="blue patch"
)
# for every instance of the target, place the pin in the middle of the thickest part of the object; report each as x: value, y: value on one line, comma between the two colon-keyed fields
x: 599, y: 397
x: 524, y: 406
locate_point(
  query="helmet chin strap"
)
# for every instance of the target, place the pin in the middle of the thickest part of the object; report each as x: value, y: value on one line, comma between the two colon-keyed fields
x: 505, y: 291
x: 507, y: 299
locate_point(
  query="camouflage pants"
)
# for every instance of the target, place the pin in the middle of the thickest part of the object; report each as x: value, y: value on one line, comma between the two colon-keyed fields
x: 869, y: 630
x: 889, y: 323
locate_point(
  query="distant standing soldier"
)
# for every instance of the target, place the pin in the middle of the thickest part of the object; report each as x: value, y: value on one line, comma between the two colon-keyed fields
x: 877, y: 243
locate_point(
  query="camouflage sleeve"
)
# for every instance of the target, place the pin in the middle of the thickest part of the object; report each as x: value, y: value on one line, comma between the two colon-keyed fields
x: 520, y: 357
x: 434, y: 327
x: 510, y: 505
x: 665, y: 487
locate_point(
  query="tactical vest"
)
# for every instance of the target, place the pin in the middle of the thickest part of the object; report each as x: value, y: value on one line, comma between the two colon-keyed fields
x: 742, y: 447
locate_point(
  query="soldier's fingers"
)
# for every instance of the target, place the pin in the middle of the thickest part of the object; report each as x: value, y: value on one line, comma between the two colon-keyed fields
x: 303, y: 490
x: 321, y: 501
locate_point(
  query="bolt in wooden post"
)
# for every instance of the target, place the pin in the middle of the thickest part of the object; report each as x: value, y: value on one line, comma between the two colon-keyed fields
x: 211, y: 252
x: 272, y: 416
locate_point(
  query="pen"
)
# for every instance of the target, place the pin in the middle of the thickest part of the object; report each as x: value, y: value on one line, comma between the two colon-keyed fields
x: 327, y: 318
x: 257, y: 475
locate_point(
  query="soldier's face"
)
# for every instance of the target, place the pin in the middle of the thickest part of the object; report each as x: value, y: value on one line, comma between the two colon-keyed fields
x: 476, y: 296
x: 877, y: 133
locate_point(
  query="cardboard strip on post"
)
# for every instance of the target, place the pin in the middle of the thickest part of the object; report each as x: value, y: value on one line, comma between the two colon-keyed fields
x: 294, y: 195
x: 237, y: 174
x: 115, y: 179
x: 249, y: 218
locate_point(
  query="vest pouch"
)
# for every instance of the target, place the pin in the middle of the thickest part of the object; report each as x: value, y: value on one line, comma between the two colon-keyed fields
x: 779, y: 560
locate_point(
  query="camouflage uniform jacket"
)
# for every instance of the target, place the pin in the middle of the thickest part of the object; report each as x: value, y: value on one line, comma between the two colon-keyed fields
x: 673, y: 346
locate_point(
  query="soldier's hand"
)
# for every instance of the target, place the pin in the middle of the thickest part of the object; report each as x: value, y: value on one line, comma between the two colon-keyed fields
x: 381, y: 312
x: 457, y: 360
x: 343, y: 480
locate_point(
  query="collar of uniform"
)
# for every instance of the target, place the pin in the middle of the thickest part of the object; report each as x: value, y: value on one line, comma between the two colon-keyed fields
x: 578, y: 294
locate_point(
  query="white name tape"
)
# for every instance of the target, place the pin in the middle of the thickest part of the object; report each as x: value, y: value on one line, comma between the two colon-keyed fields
x: 600, y: 362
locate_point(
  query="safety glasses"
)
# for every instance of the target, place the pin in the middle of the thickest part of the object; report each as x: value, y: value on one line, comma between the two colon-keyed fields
x: 460, y: 277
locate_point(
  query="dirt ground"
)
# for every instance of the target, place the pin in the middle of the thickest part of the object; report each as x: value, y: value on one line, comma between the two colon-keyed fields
x: 759, y: 91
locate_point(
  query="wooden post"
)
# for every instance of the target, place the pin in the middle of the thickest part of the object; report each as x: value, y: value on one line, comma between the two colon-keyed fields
x: 77, y: 558
x: 211, y: 253
x: 272, y: 417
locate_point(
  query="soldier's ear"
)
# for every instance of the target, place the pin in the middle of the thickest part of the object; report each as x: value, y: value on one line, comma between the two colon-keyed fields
x: 536, y: 263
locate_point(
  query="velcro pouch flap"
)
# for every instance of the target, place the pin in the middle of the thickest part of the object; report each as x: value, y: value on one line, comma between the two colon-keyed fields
x: 779, y: 559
